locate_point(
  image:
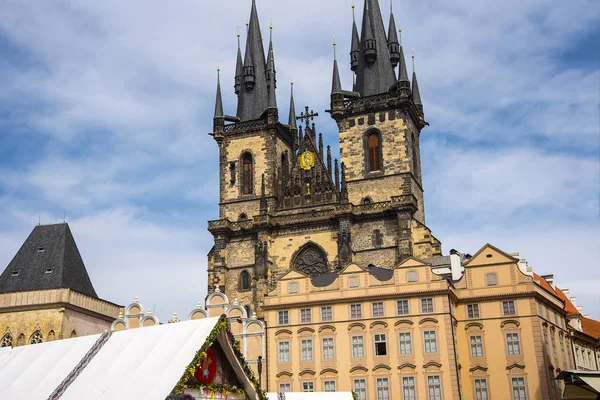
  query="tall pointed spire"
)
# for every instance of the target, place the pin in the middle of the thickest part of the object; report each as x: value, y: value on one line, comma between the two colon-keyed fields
x: 219, y: 101
x: 403, y: 81
x: 292, y: 116
x: 415, y: 87
x: 355, y: 48
x: 375, y: 73
x: 239, y: 67
x: 270, y: 70
x: 271, y: 85
x: 253, y: 99
x: 393, y: 44
x: 336, y: 86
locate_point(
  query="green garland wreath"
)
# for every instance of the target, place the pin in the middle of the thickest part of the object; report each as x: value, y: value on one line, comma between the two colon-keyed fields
x: 186, y: 381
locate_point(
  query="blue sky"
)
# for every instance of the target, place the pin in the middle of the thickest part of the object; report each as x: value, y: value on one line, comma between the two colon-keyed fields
x: 105, y: 109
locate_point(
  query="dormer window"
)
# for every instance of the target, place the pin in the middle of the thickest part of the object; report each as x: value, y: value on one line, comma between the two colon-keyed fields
x: 41, y: 249
x: 49, y: 270
x: 16, y: 272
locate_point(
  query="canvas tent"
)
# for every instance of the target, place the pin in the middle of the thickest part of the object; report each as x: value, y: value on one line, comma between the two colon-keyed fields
x: 580, y: 385
x: 144, y: 364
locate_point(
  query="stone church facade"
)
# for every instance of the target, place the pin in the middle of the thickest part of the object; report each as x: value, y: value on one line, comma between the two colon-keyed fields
x: 285, y: 204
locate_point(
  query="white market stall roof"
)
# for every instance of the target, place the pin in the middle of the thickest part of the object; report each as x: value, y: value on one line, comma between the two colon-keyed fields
x: 311, y: 396
x: 33, y: 372
x: 145, y: 363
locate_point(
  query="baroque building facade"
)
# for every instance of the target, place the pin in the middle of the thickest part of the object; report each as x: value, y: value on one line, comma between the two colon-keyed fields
x: 46, y: 293
x: 285, y: 204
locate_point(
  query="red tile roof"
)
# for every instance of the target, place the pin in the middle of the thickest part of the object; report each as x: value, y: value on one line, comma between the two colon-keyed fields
x: 569, y: 307
x: 591, y: 327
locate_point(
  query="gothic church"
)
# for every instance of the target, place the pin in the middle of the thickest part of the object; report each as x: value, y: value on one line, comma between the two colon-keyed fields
x: 285, y: 204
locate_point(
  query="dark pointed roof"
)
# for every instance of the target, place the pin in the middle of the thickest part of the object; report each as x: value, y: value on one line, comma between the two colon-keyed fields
x: 355, y: 48
x: 392, y: 35
x: 49, y: 259
x: 219, y: 101
x: 415, y: 90
x: 292, y: 116
x: 336, y: 86
x: 239, y: 68
x: 253, y: 103
x: 379, y: 77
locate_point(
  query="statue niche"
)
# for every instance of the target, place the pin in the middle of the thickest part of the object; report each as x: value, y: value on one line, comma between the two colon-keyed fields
x: 311, y: 260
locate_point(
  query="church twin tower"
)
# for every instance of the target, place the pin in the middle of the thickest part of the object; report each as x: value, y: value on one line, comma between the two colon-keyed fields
x: 285, y: 205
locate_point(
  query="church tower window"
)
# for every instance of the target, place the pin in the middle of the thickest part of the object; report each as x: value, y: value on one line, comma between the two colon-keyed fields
x: 36, y: 338
x: 377, y: 238
x: 247, y: 174
x: 244, y: 280
x: 7, y: 341
x: 373, y: 151
x: 311, y: 261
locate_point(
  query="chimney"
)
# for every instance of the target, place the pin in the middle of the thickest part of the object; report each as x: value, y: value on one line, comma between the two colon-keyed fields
x: 456, y: 265
x: 550, y: 279
x: 573, y: 300
x: 524, y: 266
x: 567, y: 292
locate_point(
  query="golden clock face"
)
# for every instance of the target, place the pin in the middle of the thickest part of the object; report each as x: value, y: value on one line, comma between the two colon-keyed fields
x: 307, y: 160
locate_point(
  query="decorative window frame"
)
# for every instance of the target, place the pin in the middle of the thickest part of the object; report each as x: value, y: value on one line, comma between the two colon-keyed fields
x: 366, y: 169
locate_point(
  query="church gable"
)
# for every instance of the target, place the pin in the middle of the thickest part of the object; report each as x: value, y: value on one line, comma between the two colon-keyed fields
x: 411, y: 262
x: 489, y: 255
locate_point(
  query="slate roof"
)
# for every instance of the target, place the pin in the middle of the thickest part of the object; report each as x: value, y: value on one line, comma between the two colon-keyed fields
x: 438, y: 261
x: 49, y: 259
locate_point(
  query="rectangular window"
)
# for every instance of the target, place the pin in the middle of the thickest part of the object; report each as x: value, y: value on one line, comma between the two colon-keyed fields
x: 412, y: 276
x: 409, y: 391
x: 476, y: 346
x: 358, y: 346
x: 329, y: 386
x: 305, y: 315
x: 380, y: 345
x: 383, y: 389
x: 491, y: 279
x: 405, y: 339
x: 540, y: 309
x: 285, y: 387
x: 434, y: 387
x: 556, y: 319
x: 518, y: 389
x: 284, y: 352
x: 353, y: 281
x: 306, y: 349
x: 426, y: 306
x: 308, y: 386
x: 283, y: 317
x: 473, y: 311
x: 430, y: 338
x: 513, y: 345
x: 328, y: 349
x: 402, y: 307
x: 326, y: 314
x: 360, y: 389
x: 293, y: 288
x: 481, y: 389
x: 355, y: 311
x: 508, y: 308
x: 378, y: 310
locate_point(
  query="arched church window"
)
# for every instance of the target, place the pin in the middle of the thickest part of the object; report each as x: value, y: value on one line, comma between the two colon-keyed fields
x: 244, y: 280
x: 51, y: 336
x: 374, y: 151
x: 415, y: 155
x: 7, y: 341
x: 36, y: 338
x: 367, y: 200
x: 243, y: 217
x: 311, y: 260
x: 73, y: 334
x: 247, y: 174
x: 21, y: 340
x: 377, y: 238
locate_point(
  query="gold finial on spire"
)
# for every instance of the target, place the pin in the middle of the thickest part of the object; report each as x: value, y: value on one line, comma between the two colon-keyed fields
x: 413, y: 58
x: 400, y: 32
x: 247, y: 23
x: 271, y: 23
x: 218, y: 66
x: 334, y: 48
x: 353, y: 15
x: 238, y: 33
